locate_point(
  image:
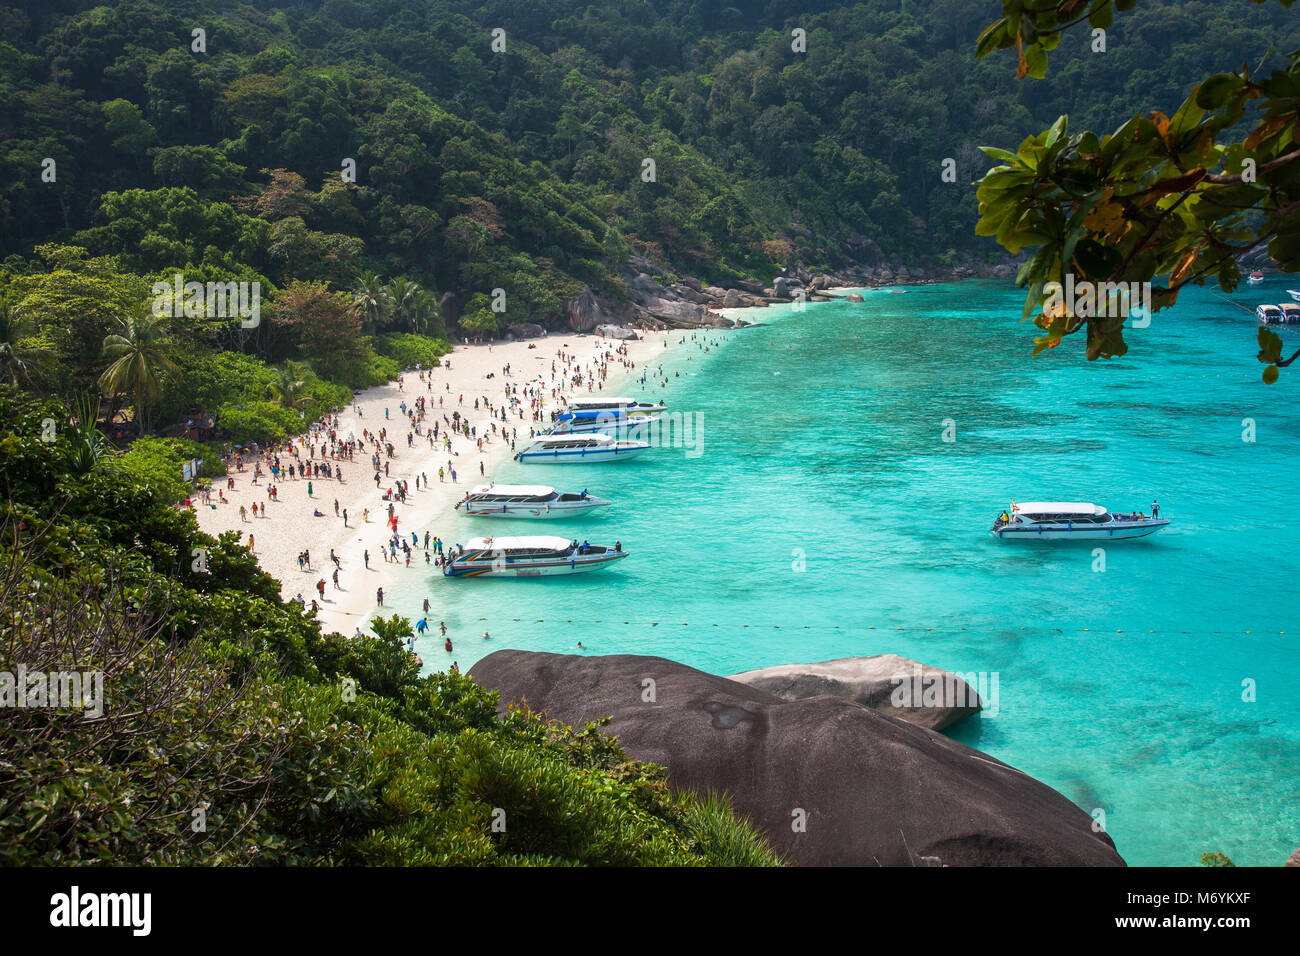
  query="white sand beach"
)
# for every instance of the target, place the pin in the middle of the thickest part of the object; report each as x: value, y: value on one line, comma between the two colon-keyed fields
x: 290, y: 526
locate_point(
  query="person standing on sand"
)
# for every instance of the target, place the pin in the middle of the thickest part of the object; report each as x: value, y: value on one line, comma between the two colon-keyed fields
x: 366, y: 555
x: 336, y: 581
x: 251, y: 545
x: 243, y: 513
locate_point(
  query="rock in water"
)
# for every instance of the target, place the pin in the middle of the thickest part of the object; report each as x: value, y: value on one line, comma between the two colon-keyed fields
x: 921, y: 695
x: 829, y: 781
x: 853, y: 297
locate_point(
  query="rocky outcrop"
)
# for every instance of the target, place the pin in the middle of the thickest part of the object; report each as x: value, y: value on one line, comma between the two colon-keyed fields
x: 449, y: 309
x: 829, y: 781
x: 1293, y: 859
x: 853, y: 297
x: 911, y: 691
x: 731, y: 300
x: 616, y: 332
x: 524, y: 330
x: 584, y: 311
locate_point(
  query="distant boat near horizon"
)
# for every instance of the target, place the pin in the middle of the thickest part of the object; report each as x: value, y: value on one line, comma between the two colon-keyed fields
x: 527, y: 501
x: 1255, y: 277
x: 529, y: 556
x: 1070, y: 520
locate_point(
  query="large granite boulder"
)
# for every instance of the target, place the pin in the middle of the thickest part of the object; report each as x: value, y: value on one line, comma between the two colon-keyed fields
x: 853, y: 297
x: 731, y: 300
x: 584, y: 311
x: 921, y: 695
x: 781, y: 287
x: 829, y: 781
x: 524, y: 330
x: 617, y: 332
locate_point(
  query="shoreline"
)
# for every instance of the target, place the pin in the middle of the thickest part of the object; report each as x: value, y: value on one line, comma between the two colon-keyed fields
x: 291, y: 527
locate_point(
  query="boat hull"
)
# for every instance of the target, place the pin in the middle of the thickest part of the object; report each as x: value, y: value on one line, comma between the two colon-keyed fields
x: 531, y: 569
x: 578, y: 456
x: 532, y: 512
x: 1118, y: 531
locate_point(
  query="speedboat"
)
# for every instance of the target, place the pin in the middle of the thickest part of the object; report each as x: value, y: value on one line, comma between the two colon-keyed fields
x: 1255, y: 277
x: 1290, y: 312
x: 628, y: 406
x: 575, y: 449
x: 1070, y: 520
x: 527, y: 557
x: 526, y: 501
x: 1294, y: 293
x: 609, y: 422
x: 1268, y: 314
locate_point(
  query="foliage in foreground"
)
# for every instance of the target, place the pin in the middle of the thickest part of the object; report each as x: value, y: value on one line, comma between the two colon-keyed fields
x: 1181, y: 196
x: 234, y: 732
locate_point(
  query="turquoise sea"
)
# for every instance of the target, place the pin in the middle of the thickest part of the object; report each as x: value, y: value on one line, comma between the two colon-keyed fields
x: 827, y: 517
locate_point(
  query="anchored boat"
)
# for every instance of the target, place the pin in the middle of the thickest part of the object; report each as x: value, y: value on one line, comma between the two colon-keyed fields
x: 528, y: 557
x: 1070, y: 520
x: 604, y: 422
x: 571, y: 449
x: 628, y: 406
x: 526, y: 501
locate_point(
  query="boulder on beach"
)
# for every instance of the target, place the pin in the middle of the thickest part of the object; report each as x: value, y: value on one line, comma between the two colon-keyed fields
x: 922, y: 695
x: 829, y: 781
x: 731, y: 300
x: 616, y: 332
x: 524, y: 330
x: 584, y: 311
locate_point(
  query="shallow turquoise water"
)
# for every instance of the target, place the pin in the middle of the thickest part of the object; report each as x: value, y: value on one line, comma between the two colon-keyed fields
x: 826, y: 517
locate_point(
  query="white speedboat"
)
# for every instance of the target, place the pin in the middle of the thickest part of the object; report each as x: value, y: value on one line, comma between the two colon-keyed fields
x: 576, y: 449
x: 526, y: 501
x: 1268, y: 314
x: 1255, y: 277
x: 607, y: 422
x: 1070, y: 520
x: 528, y: 557
x: 1294, y: 293
x: 600, y: 403
x: 1290, y: 312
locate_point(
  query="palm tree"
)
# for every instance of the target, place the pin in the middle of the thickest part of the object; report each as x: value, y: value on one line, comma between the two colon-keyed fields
x: 19, y: 363
x: 372, y: 298
x: 140, y: 366
x: 287, y: 388
x: 404, y: 296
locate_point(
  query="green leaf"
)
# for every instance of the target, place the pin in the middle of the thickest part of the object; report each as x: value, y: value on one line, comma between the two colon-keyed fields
x: 1215, y: 90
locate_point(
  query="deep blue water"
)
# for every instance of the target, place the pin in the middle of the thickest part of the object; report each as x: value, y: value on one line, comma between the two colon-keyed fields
x: 826, y: 517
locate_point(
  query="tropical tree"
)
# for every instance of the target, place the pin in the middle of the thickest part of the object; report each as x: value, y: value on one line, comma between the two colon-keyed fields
x: 372, y: 299
x: 20, y: 363
x: 404, y: 296
x: 140, y: 364
x: 287, y: 389
x: 1183, y: 196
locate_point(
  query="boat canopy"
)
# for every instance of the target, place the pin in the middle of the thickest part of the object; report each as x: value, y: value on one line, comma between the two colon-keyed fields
x: 1058, y: 508
x: 514, y: 491
x: 592, y: 415
x: 566, y: 440
x: 600, y: 401
x: 538, y: 542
